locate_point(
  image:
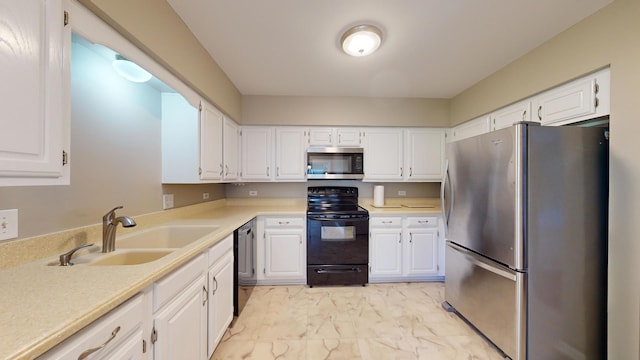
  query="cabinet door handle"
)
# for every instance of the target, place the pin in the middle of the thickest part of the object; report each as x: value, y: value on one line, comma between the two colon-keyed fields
x: 206, y: 295
x: 411, y: 238
x: 283, y: 222
x: 214, y: 282
x: 330, y: 141
x: 221, y: 170
x: 339, y: 138
x: 86, y: 353
x: 524, y: 115
x: 410, y: 171
x: 401, y: 171
x: 423, y: 221
x: 278, y: 171
x: 268, y: 171
x: 226, y: 172
x: 539, y: 112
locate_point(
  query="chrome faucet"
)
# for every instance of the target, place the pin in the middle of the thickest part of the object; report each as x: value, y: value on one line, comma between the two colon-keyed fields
x: 109, y: 226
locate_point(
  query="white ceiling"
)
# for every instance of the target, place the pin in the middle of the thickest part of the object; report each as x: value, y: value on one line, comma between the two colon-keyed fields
x: 431, y: 48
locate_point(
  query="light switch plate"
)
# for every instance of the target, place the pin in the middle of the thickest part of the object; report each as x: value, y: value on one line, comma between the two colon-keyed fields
x: 167, y: 201
x: 8, y: 224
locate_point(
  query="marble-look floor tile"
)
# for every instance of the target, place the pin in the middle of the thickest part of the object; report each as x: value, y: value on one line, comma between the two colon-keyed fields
x: 379, y: 321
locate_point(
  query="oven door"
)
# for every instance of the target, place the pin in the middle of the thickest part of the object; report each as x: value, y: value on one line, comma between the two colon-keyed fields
x: 337, y: 251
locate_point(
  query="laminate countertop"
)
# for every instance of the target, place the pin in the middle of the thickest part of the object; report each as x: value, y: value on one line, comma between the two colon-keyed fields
x: 42, y: 304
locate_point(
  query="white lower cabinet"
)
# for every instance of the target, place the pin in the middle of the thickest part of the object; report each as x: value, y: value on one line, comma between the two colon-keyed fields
x: 116, y: 335
x: 282, y: 251
x: 180, y: 313
x: 385, y: 247
x: 181, y: 316
x: 405, y: 248
x: 421, y: 244
x: 220, y: 292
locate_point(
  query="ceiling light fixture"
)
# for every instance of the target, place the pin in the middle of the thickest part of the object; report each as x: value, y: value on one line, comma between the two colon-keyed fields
x: 361, y: 40
x: 130, y: 70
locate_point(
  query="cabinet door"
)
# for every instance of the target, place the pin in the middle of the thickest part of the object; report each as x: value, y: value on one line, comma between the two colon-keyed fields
x: 385, y: 252
x: 349, y: 137
x: 424, y: 154
x: 181, y: 325
x: 210, y: 142
x: 481, y: 125
x: 422, y: 252
x: 383, y: 155
x: 510, y: 115
x: 34, y: 73
x: 291, y: 160
x: 574, y: 100
x: 284, y: 254
x: 256, y: 153
x: 321, y: 136
x: 220, y: 304
x: 231, y: 151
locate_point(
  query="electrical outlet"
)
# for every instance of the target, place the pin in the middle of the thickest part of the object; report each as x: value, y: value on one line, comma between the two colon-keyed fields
x: 253, y: 193
x: 402, y: 193
x: 205, y: 196
x: 8, y: 224
x: 167, y: 201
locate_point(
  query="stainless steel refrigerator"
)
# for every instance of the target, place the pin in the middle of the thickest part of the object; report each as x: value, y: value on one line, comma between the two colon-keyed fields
x: 526, y: 255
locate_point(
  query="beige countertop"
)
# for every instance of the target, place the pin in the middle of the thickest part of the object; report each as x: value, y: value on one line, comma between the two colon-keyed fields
x: 41, y: 305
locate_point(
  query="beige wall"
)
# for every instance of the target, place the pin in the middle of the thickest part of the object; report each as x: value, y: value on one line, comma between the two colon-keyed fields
x: 340, y: 111
x: 611, y: 36
x: 154, y: 27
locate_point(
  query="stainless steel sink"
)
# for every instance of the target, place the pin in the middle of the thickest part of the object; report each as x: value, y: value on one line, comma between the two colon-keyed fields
x: 169, y: 236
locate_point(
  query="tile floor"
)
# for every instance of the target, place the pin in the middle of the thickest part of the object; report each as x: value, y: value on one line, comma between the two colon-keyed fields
x: 379, y: 321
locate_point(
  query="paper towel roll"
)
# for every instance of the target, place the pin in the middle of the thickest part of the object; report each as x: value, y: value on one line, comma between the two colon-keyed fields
x: 378, y: 195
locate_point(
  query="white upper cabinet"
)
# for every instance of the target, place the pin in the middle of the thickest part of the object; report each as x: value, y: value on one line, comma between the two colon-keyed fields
x: 211, y: 121
x: 34, y: 68
x: 349, y: 137
x: 291, y: 159
x: 471, y: 128
x: 383, y: 154
x: 424, y: 154
x: 191, y: 141
x: 346, y: 137
x: 231, y: 150
x: 579, y: 100
x: 507, y: 116
x: 256, y: 153
x: 322, y: 136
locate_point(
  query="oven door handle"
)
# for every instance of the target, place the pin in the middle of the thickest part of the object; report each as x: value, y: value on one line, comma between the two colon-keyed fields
x: 337, y: 271
x: 314, y: 218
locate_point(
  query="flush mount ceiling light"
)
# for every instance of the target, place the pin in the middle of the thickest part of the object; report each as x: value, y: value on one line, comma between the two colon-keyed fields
x: 361, y: 40
x: 130, y: 70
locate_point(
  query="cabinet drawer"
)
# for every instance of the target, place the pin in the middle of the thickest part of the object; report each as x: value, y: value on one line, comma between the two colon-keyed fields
x: 272, y: 222
x: 220, y: 249
x: 118, y: 325
x: 422, y: 221
x: 168, y: 287
x: 385, y: 222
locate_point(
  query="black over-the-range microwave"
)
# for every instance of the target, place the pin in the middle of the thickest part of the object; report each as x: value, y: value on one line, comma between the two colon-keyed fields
x: 335, y: 163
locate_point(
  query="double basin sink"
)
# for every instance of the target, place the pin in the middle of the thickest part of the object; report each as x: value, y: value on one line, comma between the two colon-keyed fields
x: 147, y: 245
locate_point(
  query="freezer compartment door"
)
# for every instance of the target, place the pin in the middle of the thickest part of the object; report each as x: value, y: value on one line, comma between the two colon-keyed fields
x: 489, y: 296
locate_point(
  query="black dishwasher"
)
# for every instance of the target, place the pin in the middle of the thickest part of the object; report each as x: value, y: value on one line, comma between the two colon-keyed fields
x: 244, y: 264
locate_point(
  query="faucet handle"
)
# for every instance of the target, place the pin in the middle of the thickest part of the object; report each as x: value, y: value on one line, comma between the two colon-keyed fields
x: 111, y: 213
x: 65, y: 259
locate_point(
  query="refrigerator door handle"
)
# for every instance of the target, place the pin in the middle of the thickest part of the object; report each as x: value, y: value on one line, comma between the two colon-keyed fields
x: 446, y: 213
x: 476, y: 260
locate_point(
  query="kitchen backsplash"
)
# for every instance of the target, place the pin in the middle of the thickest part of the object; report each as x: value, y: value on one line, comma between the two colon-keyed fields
x: 299, y: 190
